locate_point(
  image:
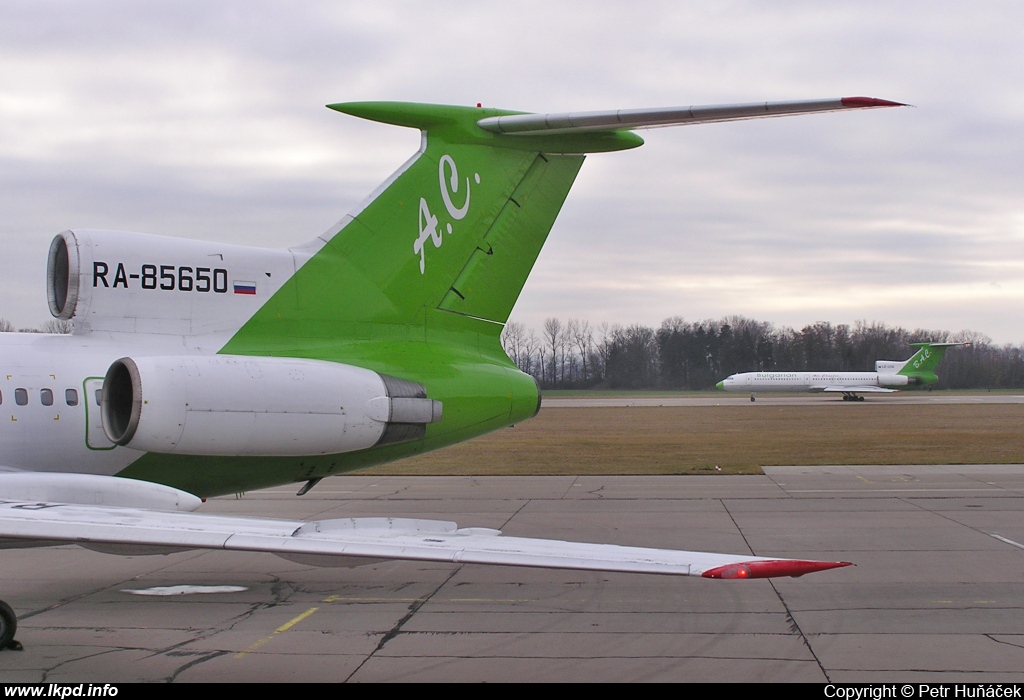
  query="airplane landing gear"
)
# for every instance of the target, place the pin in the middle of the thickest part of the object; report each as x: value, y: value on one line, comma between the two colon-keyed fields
x: 852, y: 397
x: 8, y: 626
x: 752, y: 399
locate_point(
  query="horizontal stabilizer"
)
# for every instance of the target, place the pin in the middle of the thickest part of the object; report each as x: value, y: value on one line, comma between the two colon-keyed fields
x: 625, y: 119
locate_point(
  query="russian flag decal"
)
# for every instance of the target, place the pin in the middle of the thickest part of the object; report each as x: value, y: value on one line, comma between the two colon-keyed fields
x: 245, y: 287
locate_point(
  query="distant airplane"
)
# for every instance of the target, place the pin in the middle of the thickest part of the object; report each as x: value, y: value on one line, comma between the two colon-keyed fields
x: 197, y: 369
x: 919, y: 369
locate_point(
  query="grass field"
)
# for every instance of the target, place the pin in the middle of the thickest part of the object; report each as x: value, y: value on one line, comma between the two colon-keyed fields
x: 740, y: 440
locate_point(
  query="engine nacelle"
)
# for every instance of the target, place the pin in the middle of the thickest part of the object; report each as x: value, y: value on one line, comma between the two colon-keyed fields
x: 140, y: 283
x: 234, y: 405
x: 894, y: 380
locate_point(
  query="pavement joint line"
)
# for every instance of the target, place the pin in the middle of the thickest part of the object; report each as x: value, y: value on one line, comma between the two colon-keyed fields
x: 357, y: 599
x: 396, y: 630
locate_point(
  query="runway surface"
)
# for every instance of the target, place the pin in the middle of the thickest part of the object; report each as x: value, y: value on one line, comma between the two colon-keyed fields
x: 937, y: 593
x: 736, y: 399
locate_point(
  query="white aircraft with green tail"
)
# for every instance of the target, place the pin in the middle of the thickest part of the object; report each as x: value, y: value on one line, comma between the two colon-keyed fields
x: 197, y: 369
x: 889, y: 376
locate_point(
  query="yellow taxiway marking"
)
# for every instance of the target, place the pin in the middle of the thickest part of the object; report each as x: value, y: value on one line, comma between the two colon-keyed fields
x: 283, y: 628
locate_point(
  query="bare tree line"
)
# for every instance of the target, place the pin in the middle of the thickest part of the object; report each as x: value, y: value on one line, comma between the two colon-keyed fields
x: 54, y: 325
x: 696, y: 355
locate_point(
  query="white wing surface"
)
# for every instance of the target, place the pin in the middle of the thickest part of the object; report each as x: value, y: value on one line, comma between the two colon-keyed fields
x: 867, y: 389
x: 135, y: 531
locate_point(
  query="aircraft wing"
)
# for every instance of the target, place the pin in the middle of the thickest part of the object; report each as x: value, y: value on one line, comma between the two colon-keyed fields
x: 125, y: 530
x: 868, y: 389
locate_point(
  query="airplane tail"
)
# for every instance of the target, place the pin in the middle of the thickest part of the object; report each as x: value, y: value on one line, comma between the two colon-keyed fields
x: 920, y: 368
x: 455, y: 231
x: 448, y: 241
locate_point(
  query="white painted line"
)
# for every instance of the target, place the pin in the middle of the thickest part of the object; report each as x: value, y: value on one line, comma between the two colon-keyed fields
x: 922, y: 489
x: 1018, y: 545
x: 184, y: 590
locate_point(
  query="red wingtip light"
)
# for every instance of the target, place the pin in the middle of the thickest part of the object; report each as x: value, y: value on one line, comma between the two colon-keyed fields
x: 869, y: 102
x: 479, y: 105
x: 772, y: 567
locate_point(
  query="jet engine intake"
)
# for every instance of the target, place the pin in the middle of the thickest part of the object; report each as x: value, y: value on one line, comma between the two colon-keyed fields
x: 233, y: 405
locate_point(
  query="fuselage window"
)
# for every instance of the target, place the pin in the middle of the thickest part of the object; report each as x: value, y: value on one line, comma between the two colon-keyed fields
x: 99, y: 396
x: 46, y: 397
x: 71, y: 397
x: 21, y: 397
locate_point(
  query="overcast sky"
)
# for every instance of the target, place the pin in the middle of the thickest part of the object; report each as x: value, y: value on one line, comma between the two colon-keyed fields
x: 207, y: 120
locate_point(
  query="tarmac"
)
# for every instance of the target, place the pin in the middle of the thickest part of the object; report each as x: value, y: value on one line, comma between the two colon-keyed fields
x: 935, y: 596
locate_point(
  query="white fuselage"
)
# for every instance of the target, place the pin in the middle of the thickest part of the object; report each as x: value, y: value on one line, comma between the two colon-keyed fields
x: 754, y: 382
x: 49, y: 400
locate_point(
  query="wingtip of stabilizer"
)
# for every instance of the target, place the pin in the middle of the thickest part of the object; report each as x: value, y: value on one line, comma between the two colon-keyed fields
x: 770, y: 568
x: 861, y: 102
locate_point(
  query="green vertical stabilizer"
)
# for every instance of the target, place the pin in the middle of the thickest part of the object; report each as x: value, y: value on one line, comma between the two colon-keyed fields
x: 921, y: 366
x: 459, y: 229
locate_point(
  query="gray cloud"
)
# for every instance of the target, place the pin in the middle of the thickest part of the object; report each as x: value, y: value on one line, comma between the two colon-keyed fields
x: 206, y: 120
